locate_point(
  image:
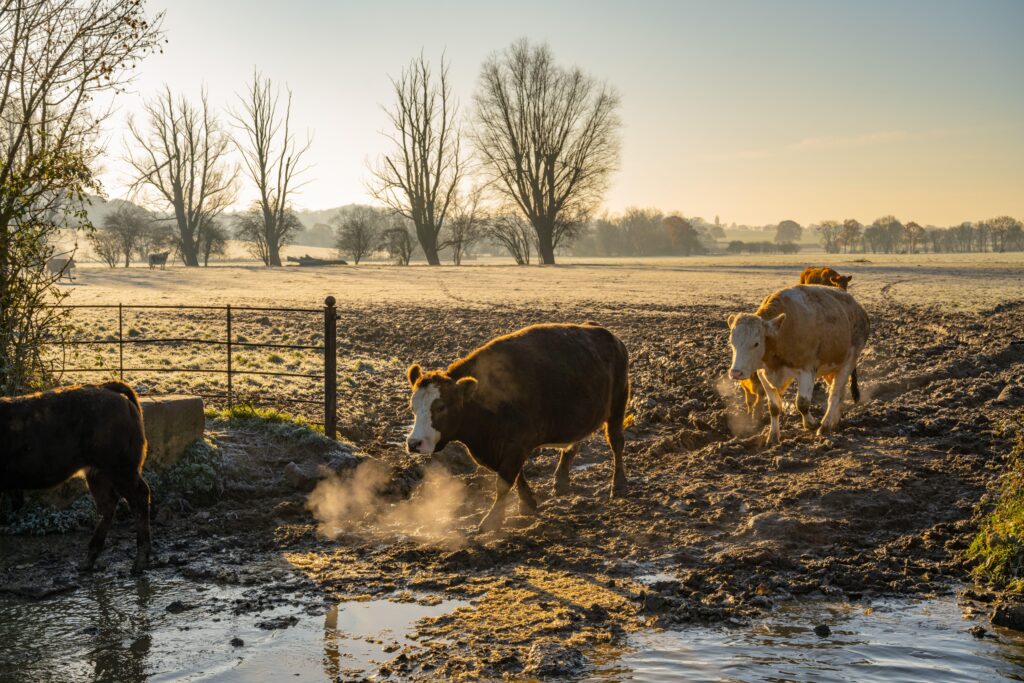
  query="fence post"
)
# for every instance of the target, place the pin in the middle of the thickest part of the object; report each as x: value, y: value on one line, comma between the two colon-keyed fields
x: 120, y: 341
x: 230, y: 397
x: 330, y: 369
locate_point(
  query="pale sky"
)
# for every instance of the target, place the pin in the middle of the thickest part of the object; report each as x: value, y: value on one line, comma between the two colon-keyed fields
x: 753, y: 111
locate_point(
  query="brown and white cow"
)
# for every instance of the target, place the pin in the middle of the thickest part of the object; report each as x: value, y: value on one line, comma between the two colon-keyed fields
x: 824, y: 276
x: 544, y: 385
x: 801, y: 333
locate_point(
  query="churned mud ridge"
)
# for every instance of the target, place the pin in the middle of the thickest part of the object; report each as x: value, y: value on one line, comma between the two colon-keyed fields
x: 716, y: 526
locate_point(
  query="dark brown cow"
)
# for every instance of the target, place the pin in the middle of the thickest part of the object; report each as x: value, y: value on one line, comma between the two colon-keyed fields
x: 824, y: 276
x: 48, y: 437
x: 545, y: 385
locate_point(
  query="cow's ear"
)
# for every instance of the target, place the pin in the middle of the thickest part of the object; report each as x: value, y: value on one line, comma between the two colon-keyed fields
x: 732, y: 319
x: 845, y: 279
x: 414, y: 373
x: 773, y: 326
x: 468, y: 386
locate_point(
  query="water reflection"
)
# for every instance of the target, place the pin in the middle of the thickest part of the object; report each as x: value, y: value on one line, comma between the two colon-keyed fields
x: 893, y: 640
x: 122, y: 626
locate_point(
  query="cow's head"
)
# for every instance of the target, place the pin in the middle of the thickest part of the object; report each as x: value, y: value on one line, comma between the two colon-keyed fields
x: 437, y: 403
x: 842, y: 281
x: 748, y: 334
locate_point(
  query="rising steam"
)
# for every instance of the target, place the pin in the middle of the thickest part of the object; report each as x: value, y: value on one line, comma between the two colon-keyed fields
x: 355, y: 504
x: 740, y: 424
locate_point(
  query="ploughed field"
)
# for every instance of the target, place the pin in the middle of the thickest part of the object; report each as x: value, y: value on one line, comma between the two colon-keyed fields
x: 728, y: 528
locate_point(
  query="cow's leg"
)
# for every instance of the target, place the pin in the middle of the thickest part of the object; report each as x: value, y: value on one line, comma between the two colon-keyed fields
x: 527, y: 503
x: 774, y: 409
x: 804, y: 391
x: 562, y: 471
x: 495, y: 517
x: 613, y: 433
x: 835, y: 397
x: 617, y: 442
x: 136, y: 491
x: 103, y: 493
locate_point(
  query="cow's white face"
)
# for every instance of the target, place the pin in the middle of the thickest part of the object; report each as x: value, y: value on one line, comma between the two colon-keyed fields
x: 747, y: 336
x: 424, y: 437
x: 437, y: 403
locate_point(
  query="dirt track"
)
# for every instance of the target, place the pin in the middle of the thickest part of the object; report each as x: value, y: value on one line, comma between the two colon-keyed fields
x: 726, y: 527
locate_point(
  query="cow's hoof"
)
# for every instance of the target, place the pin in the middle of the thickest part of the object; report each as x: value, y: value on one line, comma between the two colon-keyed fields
x: 489, y: 524
x: 825, y: 429
x: 562, y: 487
x: 619, y: 489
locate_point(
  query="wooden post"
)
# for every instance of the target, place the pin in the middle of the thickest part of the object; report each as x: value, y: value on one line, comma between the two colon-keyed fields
x: 230, y: 402
x: 330, y: 369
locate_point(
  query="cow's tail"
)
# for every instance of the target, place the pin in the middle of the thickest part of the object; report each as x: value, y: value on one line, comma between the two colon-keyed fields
x: 141, y: 447
x: 121, y: 388
x: 854, y: 389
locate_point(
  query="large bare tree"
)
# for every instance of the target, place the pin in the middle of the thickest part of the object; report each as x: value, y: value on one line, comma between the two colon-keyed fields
x: 547, y: 137
x: 273, y: 159
x: 181, y: 158
x: 57, y: 58
x: 420, y: 176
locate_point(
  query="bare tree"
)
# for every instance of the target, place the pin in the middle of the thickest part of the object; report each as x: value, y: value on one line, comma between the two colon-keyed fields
x: 273, y: 159
x: 182, y: 159
x: 107, y: 246
x: 511, y: 231
x: 850, y: 234
x: 830, y: 233
x: 465, y: 226
x: 251, y: 227
x: 358, y: 233
x: 399, y: 241
x: 420, y: 176
x: 213, y: 239
x: 57, y: 58
x: 548, y: 138
x: 127, y: 225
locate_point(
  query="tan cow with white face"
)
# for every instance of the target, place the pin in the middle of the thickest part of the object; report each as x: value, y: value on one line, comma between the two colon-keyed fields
x: 801, y: 333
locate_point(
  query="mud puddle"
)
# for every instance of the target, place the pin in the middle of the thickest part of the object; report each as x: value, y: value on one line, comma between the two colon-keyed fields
x: 888, y: 640
x: 153, y: 629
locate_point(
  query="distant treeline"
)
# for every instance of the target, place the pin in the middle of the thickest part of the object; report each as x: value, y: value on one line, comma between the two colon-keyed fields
x: 888, y: 235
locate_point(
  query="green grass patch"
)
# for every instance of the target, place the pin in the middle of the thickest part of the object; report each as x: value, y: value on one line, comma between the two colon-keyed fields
x: 278, y: 424
x: 997, y: 551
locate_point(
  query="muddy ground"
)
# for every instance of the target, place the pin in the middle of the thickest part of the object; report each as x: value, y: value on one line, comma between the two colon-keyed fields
x: 727, y: 527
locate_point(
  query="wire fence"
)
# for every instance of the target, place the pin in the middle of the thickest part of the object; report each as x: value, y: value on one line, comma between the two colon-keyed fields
x: 230, y: 342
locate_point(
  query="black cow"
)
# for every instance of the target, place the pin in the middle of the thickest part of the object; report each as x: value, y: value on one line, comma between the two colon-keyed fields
x: 48, y: 437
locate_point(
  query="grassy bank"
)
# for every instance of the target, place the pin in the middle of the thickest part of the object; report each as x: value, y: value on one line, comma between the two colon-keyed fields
x: 998, y: 550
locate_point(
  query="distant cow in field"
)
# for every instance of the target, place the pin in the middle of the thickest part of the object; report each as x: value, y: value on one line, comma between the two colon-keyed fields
x: 61, y: 268
x: 159, y: 259
x: 50, y: 436
x: 801, y: 333
x: 824, y: 276
x: 545, y: 385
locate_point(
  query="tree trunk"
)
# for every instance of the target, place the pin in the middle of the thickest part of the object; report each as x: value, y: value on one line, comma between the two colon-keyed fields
x: 545, y: 244
x: 428, y: 240
x: 189, y: 253
x: 273, y: 253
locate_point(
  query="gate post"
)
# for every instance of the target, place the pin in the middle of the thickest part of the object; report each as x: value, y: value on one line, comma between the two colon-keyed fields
x: 330, y: 369
x: 231, y: 402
